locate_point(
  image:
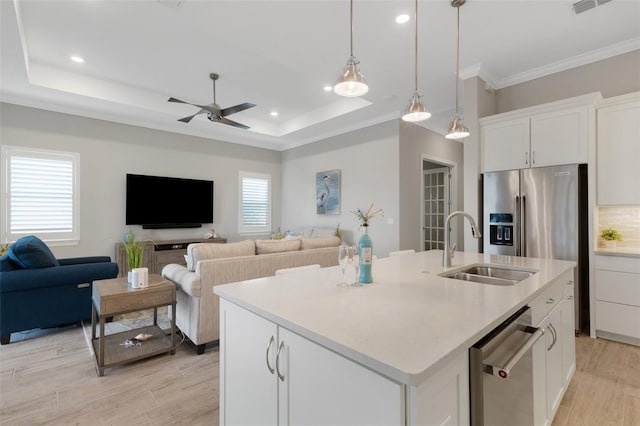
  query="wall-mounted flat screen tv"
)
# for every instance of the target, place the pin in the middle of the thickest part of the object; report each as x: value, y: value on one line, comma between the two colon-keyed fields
x: 157, y: 202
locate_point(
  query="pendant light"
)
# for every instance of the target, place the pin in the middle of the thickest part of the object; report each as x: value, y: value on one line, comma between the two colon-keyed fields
x: 416, y: 111
x: 351, y: 82
x: 457, y: 129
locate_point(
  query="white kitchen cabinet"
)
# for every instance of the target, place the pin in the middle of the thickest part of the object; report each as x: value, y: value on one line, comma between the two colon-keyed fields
x: 568, y: 333
x: 560, y: 137
x: 289, y: 380
x: 555, y: 361
x: 553, y: 342
x: 551, y: 134
x: 443, y: 399
x: 618, y: 150
x: 244, y: 354
x: 505, y: 144
x: 617, y: 284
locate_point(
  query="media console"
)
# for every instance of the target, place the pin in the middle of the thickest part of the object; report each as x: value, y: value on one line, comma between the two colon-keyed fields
x: 157, y: 254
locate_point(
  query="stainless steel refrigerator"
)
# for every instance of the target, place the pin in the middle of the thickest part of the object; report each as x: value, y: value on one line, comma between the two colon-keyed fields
x: 541, y: 212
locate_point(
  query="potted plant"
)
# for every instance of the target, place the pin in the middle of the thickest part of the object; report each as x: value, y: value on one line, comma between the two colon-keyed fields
x: 134, y: 252
x: 609, y: 237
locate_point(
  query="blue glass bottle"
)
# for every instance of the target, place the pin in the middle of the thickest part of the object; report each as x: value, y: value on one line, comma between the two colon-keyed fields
x: 365, y: 254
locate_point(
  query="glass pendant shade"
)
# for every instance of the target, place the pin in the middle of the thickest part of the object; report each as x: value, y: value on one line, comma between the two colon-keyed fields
x: 416, y: 111
x: 457, y: 129
x: 351, y: 82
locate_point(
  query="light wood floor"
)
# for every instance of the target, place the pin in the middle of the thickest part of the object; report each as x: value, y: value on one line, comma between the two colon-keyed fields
x: 51, y: 380
x: 605, y: 389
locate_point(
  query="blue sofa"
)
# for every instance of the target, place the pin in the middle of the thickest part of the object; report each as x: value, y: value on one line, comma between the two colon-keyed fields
x: 41, y: 297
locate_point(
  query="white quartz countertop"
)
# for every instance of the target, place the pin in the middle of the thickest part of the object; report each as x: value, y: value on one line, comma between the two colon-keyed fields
x: 618, y: 251
x: 406, y: 324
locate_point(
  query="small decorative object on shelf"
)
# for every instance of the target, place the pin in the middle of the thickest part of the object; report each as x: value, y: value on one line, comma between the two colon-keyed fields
x: 365, y: 245
x: 211, y: 234
x: 3, y: 249
x: 609, y: 237
x: 277, y: 235
x: 134, y: 252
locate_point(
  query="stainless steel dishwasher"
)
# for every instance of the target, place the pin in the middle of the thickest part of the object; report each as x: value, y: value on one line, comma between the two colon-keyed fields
x: 505, y: 376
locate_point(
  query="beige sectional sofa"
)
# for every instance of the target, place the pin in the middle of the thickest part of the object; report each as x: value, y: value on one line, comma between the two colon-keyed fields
x: 197, y: 311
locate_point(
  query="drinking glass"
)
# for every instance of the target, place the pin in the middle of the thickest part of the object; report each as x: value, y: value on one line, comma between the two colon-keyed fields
x: 344, y: 253
x: 354, y: 259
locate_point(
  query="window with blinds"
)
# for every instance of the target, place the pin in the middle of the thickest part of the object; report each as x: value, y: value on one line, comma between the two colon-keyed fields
x: 41, y: 195
x: 255, y: 203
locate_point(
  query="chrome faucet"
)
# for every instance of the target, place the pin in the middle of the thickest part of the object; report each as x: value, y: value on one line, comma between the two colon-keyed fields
x: 448, y: 253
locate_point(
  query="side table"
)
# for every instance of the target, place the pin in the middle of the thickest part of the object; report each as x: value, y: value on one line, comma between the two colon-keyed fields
x: 115, y: 296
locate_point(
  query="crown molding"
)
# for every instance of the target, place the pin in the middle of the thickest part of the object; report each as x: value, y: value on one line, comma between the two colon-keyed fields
x: 478, y: 70
x: 568, y: 63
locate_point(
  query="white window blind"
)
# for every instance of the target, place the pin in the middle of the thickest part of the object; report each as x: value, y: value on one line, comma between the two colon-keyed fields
x: 40, y: 196
x: 255, y: 203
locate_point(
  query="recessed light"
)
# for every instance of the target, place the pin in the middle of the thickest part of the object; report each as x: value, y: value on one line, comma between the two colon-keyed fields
x: 328, y: 88
x: 77, y: 59
x: 274, y: 113
x: 403, y: 19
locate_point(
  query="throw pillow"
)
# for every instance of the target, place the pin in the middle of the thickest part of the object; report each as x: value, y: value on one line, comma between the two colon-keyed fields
x: 204, y: 251
x: 318, y: 242
x: 31, y: 253
x: 277, y: 246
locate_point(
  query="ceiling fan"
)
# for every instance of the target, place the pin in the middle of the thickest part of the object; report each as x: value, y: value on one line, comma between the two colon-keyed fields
x: 214, y: 112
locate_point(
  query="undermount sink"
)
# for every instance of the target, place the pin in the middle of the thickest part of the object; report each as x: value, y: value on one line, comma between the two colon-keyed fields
x: 488, y: 274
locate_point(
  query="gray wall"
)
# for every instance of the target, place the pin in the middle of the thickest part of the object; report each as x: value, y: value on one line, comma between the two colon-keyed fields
x: 612, y: 77
x: 417, y: 143
x: 108, y: 151
x: 368, y: 161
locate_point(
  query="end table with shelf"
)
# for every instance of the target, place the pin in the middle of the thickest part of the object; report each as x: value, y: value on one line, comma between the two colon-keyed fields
x: 114, y: 297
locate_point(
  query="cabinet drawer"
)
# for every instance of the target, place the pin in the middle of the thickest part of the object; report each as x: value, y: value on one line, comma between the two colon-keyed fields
x: 171, y: 256
x: 618, y: 319
x: 618, y: 287
x: 127, y: 303
x: 550, y: 297
x: 618, y: 263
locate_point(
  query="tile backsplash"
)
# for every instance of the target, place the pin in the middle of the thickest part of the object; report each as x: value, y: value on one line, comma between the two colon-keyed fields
x: 625, y: 219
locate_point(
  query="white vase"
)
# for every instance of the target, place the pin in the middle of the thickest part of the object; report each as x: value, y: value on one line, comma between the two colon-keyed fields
x: 609, y: 243
x: 129, y: 277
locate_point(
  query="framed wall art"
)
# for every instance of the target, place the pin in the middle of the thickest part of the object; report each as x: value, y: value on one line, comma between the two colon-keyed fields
x: 328, y: 192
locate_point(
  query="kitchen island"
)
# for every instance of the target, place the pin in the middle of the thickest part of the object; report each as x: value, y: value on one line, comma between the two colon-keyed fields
x: 394, y: 346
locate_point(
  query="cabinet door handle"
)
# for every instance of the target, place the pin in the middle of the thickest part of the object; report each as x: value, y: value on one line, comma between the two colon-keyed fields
x: 526, y: 158
x: 550, y: 301
x: 271, y: 370
x: 280, y: 375
x: 533, y: 157
x: 554, y: 334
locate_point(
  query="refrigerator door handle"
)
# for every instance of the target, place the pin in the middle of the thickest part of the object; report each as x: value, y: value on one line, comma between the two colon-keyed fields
x: 516, y: 235
x: 523, y: 226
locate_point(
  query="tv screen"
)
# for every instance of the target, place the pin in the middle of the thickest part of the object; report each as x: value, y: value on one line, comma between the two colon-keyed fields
x: 168, y: 202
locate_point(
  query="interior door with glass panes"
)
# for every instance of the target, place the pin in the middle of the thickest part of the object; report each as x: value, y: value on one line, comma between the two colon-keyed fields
x: 436, y: 206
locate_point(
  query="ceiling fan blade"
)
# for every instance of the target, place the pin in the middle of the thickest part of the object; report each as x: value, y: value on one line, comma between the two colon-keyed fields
x: 178, y: 101
x: 210, y: 108
x: 189, y: 118
x: 232, y: 123
x: 237, y: 108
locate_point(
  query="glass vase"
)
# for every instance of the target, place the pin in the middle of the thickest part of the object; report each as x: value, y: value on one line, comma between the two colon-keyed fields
x: 365, y: 256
